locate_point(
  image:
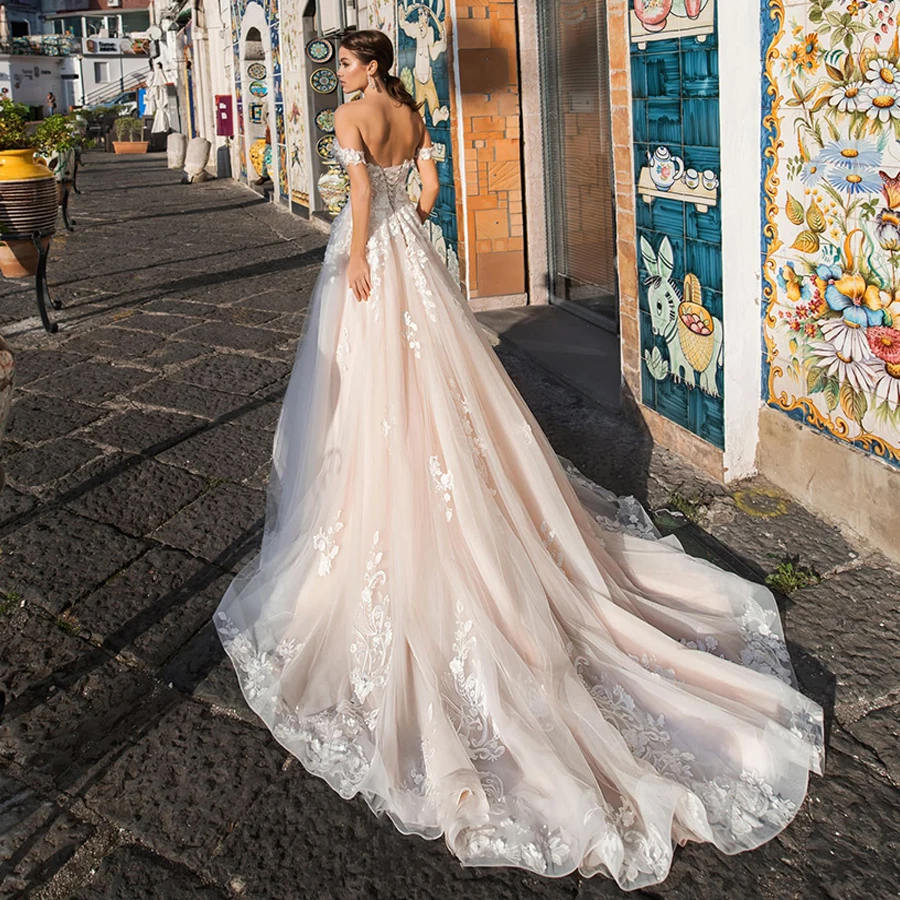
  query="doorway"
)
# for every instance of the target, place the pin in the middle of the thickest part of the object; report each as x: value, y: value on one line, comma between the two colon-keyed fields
x: 577, y: 134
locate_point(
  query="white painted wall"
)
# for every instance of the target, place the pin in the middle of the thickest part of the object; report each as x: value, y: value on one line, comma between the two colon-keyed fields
x: 740, y: 112
x: 29, y: 78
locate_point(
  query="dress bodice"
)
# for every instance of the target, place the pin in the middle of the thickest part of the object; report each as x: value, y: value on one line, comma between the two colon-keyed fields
x: 388, y: 182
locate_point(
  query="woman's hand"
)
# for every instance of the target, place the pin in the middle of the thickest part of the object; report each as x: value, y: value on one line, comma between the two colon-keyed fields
x: 358, y: 276
x: 422, y: 214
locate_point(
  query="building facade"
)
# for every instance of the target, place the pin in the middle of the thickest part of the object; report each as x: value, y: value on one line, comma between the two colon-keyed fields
x: 712, y: 192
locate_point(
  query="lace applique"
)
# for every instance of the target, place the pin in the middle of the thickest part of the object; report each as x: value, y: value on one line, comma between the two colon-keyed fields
x: 343, y: 348
x: 324, y: 542
x: 471, y: 721
x: 330, y: 744
x: 477, y: 445
x: 764, y: 649
x: 442, y: 482
x: 371, y: 650
x: 376, y: 256
x: 387, y: 426
x: 347, y: 156
x: 737, y: 805
x: 528, y: 432
x: 426, y: 152
x: 409, y: 333
x: 548, y: 536
x: 260, y: 669
x: 418, y: 261
x: 651, y: 664
x: 631, y: 517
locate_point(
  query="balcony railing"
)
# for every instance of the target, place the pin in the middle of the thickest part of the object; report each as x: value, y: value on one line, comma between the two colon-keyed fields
x: 41, y: 45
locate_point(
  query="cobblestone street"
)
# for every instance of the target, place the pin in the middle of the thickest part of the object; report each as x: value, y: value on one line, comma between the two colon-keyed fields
x: 136, y: 458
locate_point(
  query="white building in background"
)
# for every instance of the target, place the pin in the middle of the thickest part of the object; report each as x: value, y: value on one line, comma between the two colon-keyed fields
x: 85, y: 52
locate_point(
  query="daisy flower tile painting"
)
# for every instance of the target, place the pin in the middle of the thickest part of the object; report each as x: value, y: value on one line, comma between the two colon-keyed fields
x: 832, y: 238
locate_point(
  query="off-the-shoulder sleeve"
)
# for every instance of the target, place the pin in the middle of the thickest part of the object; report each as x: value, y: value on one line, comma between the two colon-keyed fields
x: 425, y: 152
x: 348, y: 156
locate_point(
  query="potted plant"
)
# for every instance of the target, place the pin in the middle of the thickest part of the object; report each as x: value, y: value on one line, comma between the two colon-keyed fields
x: 56, y: 143
x: 28, y: 199
x: 128, y: 131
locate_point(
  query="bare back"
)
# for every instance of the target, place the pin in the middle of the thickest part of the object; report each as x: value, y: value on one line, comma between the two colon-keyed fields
x: 391, y: 131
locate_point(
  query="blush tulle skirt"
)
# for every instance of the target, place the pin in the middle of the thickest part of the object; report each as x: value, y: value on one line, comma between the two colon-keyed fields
x: 448, y: 619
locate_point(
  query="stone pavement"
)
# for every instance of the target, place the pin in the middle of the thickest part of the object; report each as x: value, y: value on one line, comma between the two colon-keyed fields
x: 137, y: 455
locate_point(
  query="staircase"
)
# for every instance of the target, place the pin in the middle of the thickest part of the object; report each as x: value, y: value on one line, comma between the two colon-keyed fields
x: 110, y: 91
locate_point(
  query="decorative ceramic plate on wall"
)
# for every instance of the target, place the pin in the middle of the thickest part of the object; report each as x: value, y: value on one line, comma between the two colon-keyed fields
x: 325, y: 147
x: 258, y: 88
x: 325, y: 120
x: 319, y: 51
x: 323, y: 81
x: 256, y: 70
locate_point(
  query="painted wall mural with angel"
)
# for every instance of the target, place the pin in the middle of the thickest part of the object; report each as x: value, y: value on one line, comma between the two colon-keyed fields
x: 424, y: 66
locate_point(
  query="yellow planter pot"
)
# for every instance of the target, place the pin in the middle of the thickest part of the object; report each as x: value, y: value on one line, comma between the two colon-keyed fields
x: 21, y: 165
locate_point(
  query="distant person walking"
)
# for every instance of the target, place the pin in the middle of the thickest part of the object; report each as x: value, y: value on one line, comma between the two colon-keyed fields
x: 51, y: 103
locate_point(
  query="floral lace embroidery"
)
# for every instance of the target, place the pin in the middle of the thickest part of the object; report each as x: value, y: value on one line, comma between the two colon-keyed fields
x: 330, y: 744
x: 409, y: 333
x: 343, y: 349
x: 259, y: 669
x: 426, y: 152
x: 527, y: 430
x: 764, y: 649
x: 471, y: 720
x: 348, y: 156
x: 387, y: 426
x: 548, y: 536
x: 442, y: 482
x: 477, y: 444
x: 371, y: 650
x: 631, y: 517
x: 736, y: 805
x: 324, y: 542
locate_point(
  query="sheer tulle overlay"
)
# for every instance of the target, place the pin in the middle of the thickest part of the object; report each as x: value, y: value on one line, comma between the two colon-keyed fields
x: 448, y: 618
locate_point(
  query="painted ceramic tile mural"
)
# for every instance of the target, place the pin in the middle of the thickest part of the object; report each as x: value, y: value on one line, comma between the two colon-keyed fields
x: 279, y: 146
x: 831, y: 201
x: 423, y: 64
x: 294, y: 75
x: 675, y: 107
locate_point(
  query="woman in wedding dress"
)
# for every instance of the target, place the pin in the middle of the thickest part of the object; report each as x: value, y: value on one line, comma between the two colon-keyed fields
x: 452, y: 621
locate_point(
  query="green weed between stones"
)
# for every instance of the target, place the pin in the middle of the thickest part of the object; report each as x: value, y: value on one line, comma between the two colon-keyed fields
x: 8, y: 601
x: 790, y: 576
x: 67, y: 624
x: 691, y: 508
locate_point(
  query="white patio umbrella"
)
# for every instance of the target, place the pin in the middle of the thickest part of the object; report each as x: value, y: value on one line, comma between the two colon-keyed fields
x: 158, y: 100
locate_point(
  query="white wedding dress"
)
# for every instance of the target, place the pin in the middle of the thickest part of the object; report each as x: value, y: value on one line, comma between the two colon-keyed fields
x: 448, y: 618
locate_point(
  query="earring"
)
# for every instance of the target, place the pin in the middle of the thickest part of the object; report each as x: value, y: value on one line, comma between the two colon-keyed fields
x: 371, y: 82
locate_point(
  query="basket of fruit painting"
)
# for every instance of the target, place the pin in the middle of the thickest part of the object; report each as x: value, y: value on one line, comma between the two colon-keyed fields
x: 695, y: 331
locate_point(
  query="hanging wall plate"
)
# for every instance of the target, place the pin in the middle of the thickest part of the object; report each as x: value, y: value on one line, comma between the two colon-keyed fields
x: 319, y: 51
x: 323, y: 81
x: 325, y: 147
x: 256, y: 70
x: 325, y: 120
x: 258, y: 88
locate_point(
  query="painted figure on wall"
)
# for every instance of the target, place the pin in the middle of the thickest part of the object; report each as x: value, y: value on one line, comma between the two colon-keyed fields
x: 832, y: 322
x: 421, y: 24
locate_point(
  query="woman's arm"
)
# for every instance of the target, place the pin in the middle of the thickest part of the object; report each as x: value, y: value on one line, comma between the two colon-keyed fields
x: 349, y: 137
x: 430, y: 180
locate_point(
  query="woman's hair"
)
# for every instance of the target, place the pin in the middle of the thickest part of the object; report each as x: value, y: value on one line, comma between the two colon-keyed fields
x: 369, y: 45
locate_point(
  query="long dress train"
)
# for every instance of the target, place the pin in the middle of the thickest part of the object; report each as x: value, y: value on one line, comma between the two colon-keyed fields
x: 449, y: 619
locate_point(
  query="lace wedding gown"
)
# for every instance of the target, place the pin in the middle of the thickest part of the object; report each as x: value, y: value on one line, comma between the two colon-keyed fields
x: 451, y: 620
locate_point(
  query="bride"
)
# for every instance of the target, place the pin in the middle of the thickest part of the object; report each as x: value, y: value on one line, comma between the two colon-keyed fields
x: 451, y: 620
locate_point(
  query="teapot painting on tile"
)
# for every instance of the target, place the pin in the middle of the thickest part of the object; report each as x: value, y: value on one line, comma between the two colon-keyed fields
x: 658, y: 19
